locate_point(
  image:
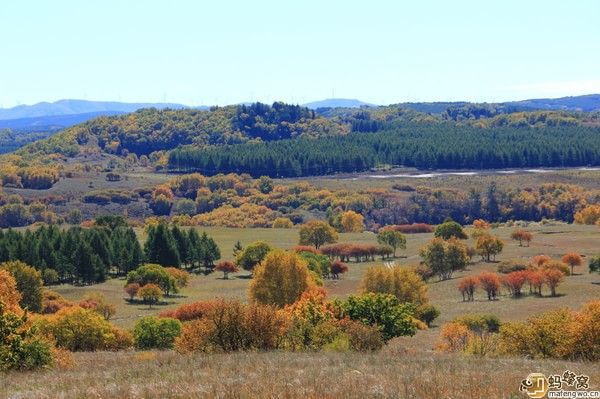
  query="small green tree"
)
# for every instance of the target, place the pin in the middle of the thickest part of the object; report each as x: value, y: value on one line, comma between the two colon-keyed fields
x: 450, y: 229
x: 252, y: 255
x: 393, y: 238
x: 153, y: 274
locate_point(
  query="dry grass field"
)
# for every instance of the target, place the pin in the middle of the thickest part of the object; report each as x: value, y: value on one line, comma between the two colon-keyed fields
x: 389, y: 374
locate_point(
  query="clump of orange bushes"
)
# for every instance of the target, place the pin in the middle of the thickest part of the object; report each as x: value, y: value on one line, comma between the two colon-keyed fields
x: 360, y: 252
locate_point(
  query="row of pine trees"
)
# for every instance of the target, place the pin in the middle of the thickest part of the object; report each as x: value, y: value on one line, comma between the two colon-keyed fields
x: 91, y: 255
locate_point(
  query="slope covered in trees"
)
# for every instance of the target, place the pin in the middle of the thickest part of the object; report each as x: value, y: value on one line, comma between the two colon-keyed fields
x: 149, y: 130
x: 435, y: 146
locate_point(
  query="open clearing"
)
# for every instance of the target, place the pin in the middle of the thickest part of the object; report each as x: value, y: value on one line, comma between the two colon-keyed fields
x: 550, y: 239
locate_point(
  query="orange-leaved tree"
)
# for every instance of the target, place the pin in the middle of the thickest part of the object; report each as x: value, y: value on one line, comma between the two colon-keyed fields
x: 572, y: 259
x: 467, y: 286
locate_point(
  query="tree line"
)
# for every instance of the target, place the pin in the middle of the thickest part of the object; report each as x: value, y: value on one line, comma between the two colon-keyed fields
x: 425, y: 146
x: 90, y: 255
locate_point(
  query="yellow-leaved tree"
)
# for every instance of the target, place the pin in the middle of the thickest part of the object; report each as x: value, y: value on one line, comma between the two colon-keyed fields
x: 280, y: 279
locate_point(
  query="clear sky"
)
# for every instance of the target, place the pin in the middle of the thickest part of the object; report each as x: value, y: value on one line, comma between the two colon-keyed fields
x: 223, y: 52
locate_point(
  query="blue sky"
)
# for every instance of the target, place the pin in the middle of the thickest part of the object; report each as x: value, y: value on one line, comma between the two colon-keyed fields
x: 224, y: 52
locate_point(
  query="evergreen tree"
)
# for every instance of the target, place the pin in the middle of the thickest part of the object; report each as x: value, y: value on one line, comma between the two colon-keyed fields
x: 160, y: 247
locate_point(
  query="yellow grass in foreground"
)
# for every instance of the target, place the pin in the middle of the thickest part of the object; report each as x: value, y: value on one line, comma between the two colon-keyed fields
x: 284, y: 375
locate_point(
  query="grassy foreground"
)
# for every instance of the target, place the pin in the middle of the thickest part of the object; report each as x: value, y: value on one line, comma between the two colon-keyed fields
x: 389, y: 374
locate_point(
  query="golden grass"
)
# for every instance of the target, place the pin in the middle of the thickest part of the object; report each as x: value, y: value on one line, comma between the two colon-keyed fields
x: 283, y: 375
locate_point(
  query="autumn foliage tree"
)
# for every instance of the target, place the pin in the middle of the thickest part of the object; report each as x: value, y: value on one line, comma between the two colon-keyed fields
x: 337, y: 268
x: 490, y: 283
x: 540, y: 260
x: 226, y: 266
x: 489, y: 246
x: 352, y: 222
x: 403, y: 283
x: 514, y: 282
x: 132, y: 290
x: 553, y: 277
x: 317, y: 233
x: 467, y: 286
x: 252, y: 255
x: 572, y: 259
x: 280, y: 279
x: 522, y: 236
x: 535, y: 278
x: 29, y: 284
x: 150, y: 294
x: 9, y: 295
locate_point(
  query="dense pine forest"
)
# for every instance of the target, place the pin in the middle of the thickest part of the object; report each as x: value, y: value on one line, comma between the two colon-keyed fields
x: 427, y: 146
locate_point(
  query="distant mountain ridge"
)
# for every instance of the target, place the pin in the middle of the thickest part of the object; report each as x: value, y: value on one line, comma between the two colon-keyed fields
x: 73, y: 107
x: 45, y: 116
x: 586, y: 103
x: 337, y: 103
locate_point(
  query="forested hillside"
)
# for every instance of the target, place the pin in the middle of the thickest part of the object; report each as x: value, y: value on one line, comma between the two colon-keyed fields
x: 436, y: 146
x: 149, y: 130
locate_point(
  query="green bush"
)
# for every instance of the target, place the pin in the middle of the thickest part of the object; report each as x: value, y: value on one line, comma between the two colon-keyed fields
x: 156, y: 333
x: 20, y: 347
x: 393, y: 318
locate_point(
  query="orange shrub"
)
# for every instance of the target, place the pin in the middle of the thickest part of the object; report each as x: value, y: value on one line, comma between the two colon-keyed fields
x: 539, y: 260
x: 553, y: 278
x: 572, y: 259
x: 467, y: 286
x: 535, y: 278
x: 9, y: 295
x: 490, y: 282
x: 514, y: 281
x: 454, y: 337
x: 189, y: 311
